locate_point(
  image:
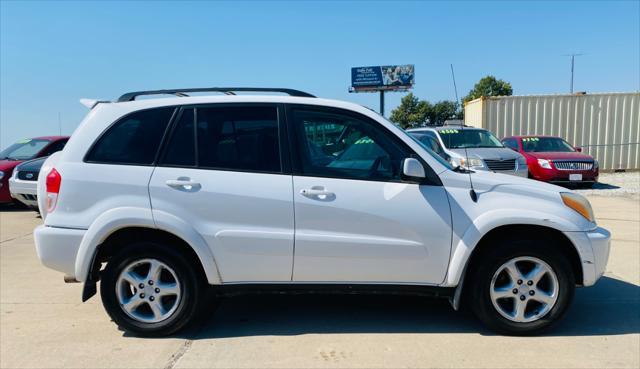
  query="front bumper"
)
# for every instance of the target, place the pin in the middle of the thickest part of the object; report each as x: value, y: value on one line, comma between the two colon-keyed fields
x: 24, y: 191
x: 5, y: 195
x: 57, y: 248
x: 563, y: 176
x: 593, y: 247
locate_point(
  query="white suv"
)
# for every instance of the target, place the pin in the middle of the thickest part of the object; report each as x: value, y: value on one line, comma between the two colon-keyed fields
x: 158, y: 198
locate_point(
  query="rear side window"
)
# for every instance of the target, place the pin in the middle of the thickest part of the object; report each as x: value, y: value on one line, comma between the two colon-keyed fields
x: 54, y: 147
x: 134, y: 139
x: 238, y: 138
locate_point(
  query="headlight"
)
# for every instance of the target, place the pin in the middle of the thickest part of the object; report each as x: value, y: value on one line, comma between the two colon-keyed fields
x: 578, y: 203
x: 471, y: 163
x: 595, y: 164
x: 546, y: 164
x: 1, y: 174
x: 522, y: 160
x: 474, y: 162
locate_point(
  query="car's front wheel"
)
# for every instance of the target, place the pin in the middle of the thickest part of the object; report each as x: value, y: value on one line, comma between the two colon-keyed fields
x: 150, y: 289
x: 521, y: 287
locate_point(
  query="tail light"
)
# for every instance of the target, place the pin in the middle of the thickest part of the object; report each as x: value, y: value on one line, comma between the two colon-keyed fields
x: 54, y: 180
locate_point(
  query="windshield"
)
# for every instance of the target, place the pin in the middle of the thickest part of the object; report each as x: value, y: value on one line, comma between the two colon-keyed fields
x: 546, y: 144
x: 470, y: 138
x: 435, y: 155
x: 23, y: 150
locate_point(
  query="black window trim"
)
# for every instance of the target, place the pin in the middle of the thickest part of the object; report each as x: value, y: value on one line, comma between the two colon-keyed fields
x: 431, y: 177
x: 175, y: 108
x: 285, y: 164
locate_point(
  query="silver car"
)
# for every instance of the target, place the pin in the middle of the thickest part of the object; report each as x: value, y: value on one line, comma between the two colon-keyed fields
x: 474, y: 148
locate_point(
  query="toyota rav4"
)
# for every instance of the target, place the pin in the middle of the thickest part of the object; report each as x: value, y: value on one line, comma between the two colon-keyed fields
x: 158, y: 198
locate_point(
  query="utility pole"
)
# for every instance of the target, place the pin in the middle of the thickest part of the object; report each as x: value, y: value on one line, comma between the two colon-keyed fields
x: 382, y: 102
x: 573, y: 58
x: 455, y: 88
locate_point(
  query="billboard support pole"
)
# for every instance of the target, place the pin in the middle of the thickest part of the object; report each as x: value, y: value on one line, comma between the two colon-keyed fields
x: 382, y: 103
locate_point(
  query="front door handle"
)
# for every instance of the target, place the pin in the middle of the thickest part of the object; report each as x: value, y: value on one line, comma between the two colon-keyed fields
x: 183, y: 183
x: 317, y: 192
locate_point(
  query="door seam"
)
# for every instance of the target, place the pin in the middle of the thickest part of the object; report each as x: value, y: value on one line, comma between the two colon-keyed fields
x: 293, y: 206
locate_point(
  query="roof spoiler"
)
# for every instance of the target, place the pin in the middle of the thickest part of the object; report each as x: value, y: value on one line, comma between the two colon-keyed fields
x: 90, y: 103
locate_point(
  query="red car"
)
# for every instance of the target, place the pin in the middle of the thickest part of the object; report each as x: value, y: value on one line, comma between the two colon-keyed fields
x: 25, y: 150
x: 552, y: 159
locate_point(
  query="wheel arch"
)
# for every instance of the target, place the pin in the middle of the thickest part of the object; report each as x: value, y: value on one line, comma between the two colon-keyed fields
x: 116, y: 225
x: 122, y: 237
x: 536, y: 231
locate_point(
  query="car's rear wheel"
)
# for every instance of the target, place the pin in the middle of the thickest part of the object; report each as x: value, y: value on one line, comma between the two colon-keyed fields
x: 150, y: 289
x: 521, y: 287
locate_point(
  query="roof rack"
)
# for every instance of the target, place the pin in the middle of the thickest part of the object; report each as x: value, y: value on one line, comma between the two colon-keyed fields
x: 181, y: 92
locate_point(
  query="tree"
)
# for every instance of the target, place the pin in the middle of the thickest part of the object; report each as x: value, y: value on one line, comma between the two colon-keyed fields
x: 443, y: 110
x: 412, y: 112
x: 489, y: 86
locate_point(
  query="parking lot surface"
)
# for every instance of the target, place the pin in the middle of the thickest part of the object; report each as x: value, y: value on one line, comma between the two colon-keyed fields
x: 44, y: 324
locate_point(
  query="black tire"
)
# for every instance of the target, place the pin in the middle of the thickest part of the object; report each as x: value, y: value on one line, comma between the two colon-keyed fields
x: 191, y: 288
x: 481, y: 273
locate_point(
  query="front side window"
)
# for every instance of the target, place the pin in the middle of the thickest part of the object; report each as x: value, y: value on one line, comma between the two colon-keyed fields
x: 470, y: 138
x: 239, y: 138
x: 134, y: 139
x: 546, y: 144
x: 337, y: 145
x: 511, y: 143
x: 23, y: 150
x: 431, y: 142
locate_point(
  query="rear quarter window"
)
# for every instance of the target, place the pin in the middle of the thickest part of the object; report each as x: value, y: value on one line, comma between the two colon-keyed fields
x: 134, y: 139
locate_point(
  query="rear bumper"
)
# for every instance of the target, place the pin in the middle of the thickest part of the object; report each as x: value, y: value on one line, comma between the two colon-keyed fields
x: 593, y: 247
x: 57, y: 248
x: 24, y: 191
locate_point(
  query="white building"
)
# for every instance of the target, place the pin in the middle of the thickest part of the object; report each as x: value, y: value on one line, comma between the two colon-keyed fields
x: 606, y: 126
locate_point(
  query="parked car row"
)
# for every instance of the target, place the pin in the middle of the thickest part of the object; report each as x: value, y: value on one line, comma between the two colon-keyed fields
x: 19, y: 167
x: 545, y: 158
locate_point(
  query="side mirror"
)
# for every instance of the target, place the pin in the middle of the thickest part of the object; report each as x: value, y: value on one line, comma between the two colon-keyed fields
x: 412, y: 168
x: 578, y: 149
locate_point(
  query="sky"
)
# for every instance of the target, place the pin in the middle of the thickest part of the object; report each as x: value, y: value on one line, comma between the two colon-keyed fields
x: 54, y: 53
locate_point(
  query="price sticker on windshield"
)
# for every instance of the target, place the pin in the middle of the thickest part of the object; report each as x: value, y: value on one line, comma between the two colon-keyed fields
x: 448, y: 131
x: 530, y: 139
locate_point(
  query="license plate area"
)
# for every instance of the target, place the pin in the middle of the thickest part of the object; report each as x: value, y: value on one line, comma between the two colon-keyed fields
x: 575, y: 177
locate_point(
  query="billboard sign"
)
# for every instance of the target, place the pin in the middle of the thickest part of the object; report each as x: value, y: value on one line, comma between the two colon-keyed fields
x: 382, y: 78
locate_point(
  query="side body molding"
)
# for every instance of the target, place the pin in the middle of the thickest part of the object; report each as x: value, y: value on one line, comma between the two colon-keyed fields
x: 126, y: 217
